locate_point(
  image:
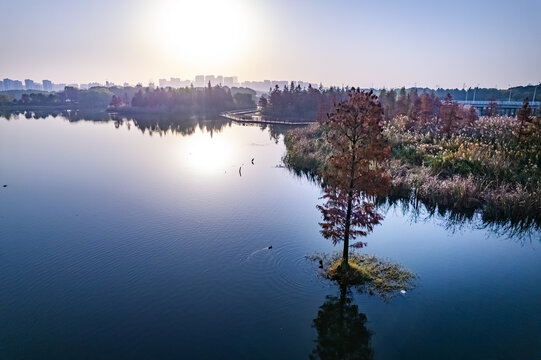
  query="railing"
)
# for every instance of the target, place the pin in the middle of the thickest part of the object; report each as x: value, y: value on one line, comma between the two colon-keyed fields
x: 249, y: 116
x: 533, y: 104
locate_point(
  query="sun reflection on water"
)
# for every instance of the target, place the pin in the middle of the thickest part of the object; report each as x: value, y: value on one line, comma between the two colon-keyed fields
x: 208, y: 154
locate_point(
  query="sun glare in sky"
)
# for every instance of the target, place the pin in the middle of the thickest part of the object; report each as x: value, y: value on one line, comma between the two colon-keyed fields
x: 204, y: 32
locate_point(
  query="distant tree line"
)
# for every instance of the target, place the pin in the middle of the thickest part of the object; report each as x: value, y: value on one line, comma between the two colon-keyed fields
x: 426, y: 112
x: 97, y: 97
x: 289, y: 102
x: 422, y: 111
x: 293, y: 102
x: 208, y: 100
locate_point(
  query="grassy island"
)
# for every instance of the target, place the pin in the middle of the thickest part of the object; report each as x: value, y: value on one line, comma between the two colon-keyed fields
x: 367, y: 274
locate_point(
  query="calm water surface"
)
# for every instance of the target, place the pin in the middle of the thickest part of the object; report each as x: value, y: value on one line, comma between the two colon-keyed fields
x: 118, y: 243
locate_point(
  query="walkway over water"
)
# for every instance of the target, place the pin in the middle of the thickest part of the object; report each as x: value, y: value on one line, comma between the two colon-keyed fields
x: 253, y: 117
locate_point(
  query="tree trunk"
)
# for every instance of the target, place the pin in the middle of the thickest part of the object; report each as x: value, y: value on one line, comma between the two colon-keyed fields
x: 345, y: 254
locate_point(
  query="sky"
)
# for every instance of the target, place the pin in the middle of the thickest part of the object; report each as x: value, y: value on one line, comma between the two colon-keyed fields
x: 341, y: 42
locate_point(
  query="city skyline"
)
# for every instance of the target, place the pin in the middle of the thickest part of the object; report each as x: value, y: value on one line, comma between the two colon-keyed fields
x: 8, y: 84
x: 366, y: 44
x: 199, y: 81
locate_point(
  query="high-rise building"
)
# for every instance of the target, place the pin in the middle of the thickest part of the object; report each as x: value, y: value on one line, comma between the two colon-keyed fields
x: 13, y: 84
x: 229, y: 81
x: 47, y: 85
x: 210, y: 79
x: 59, y: 87
x: 163, y: 83
x: 29, y: 84
x: 186, y: 83
x: 199, y: 81
x: 175, y: 83
x: 18, y: 85
x: 8, y: 83
x: 219, y: 80
x: 32, y: 85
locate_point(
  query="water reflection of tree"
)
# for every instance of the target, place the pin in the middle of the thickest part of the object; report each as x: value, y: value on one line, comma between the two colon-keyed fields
x: 341, y: 330
x: 70, y: 115
x: 275, y: 130
x: 519, y: 226
x: 160, y: 124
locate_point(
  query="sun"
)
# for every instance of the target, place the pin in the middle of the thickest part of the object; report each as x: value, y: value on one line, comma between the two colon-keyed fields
x: 203, y: 32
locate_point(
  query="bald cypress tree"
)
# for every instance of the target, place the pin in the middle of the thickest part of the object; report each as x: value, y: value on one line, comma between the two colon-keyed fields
x: 355, y: 169
x: 523, y: 117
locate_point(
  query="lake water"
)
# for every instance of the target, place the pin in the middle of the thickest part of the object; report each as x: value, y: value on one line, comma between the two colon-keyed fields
x: 118, y: 243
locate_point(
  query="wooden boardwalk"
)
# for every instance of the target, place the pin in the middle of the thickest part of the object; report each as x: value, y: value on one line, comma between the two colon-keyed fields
x: 252, y: 117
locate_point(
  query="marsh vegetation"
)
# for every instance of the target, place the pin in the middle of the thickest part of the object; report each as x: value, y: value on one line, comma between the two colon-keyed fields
x: 490, y: 165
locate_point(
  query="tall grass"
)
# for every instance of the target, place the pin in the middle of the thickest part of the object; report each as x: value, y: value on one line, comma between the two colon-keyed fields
x: 482, y: 167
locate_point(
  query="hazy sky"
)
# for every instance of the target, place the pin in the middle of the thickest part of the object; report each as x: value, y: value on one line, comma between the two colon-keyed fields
x: 340, y: 42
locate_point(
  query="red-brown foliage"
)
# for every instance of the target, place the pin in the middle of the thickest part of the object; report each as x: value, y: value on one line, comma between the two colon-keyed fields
x: 355, y: 170
x: 363, y: 216
x: 358, y: 147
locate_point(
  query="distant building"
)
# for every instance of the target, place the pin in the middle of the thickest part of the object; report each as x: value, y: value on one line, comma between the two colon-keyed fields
x: 175, y: 83
x: 230, y: 81
x: 219, y: 80
x: 199, y: 81
x: 186, y: 83
x: 47, y: 85
x: 264, y: 86
x: 13, y: 84
x: 18, y: 85
x: 210, y: 79
x: 163, y: 83
x: 31, y: 85
x: 7, y: 84
x: 59, y: 87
